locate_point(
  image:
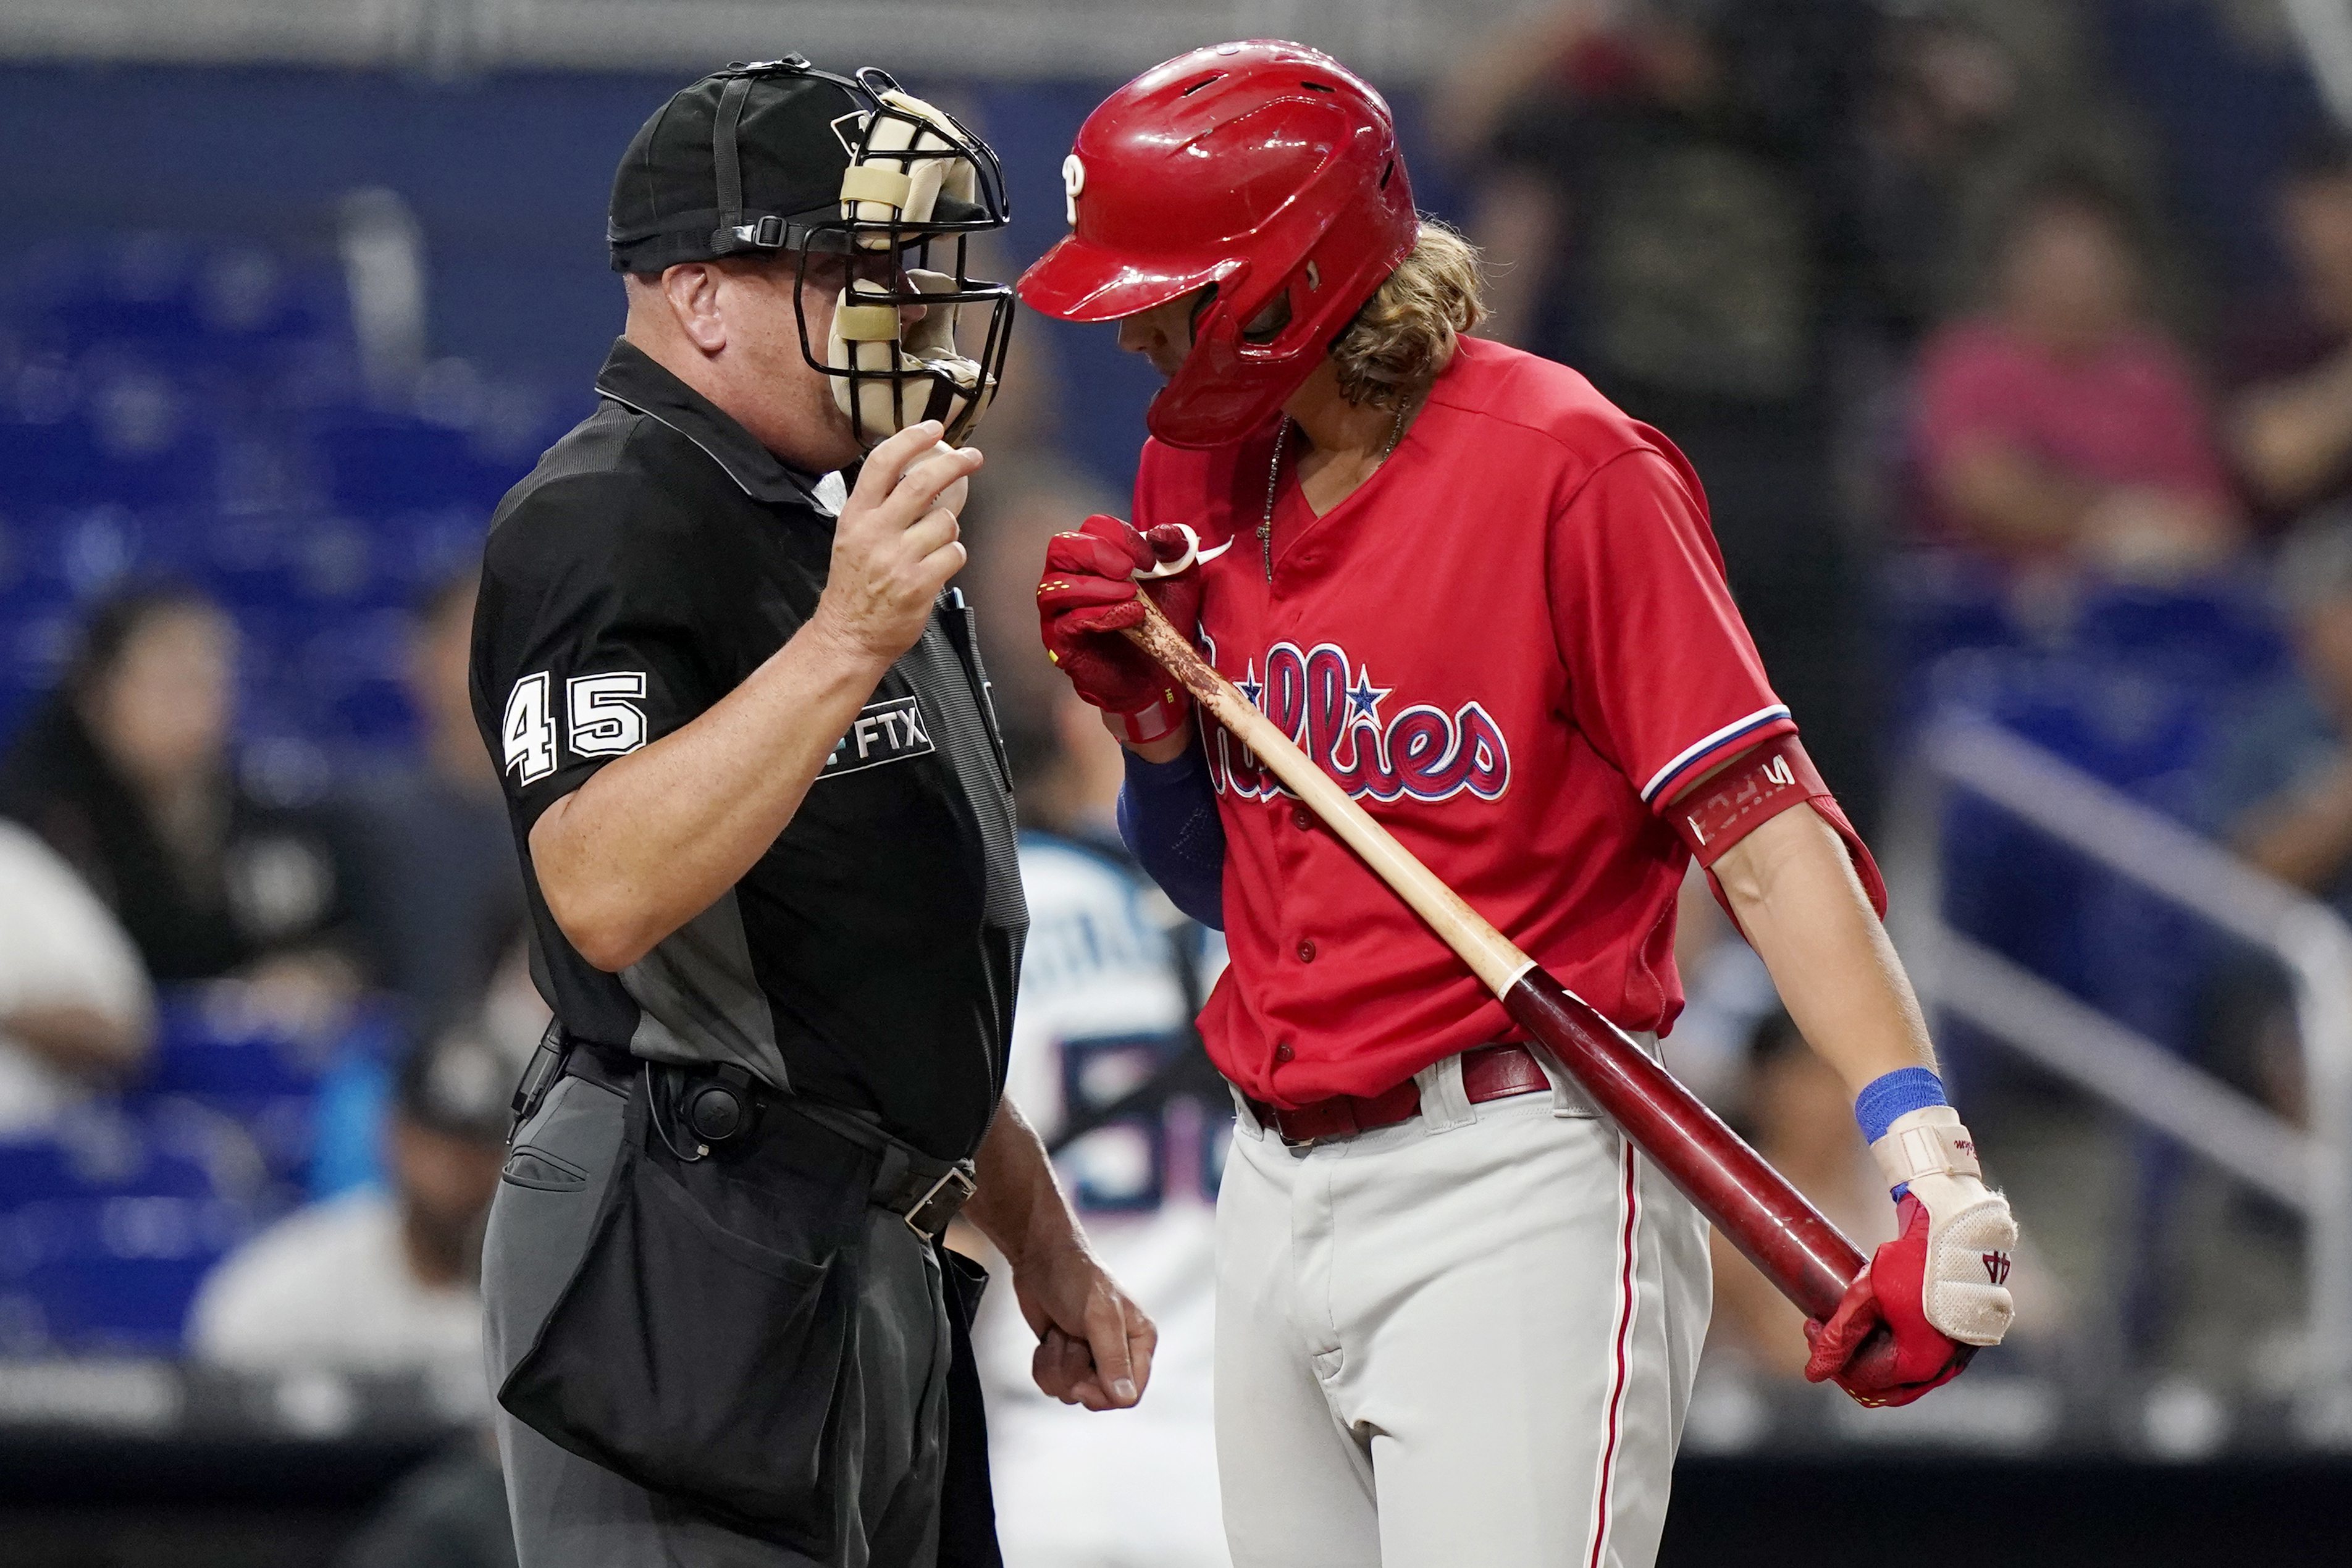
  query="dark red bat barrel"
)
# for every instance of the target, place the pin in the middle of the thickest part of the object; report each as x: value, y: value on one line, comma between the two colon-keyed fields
x: 1770, y: 1221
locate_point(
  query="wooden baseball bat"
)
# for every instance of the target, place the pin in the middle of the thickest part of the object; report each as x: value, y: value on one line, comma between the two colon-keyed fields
x: 1806, y: 1257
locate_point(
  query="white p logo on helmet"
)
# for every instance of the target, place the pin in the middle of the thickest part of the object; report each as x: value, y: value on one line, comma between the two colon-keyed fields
x: 1073, y: 180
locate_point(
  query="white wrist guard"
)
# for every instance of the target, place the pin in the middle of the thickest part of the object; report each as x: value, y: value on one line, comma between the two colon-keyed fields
x: 1970, y: 1231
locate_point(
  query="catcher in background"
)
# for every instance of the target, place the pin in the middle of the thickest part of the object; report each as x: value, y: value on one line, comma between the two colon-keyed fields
x: 1457, y: 1314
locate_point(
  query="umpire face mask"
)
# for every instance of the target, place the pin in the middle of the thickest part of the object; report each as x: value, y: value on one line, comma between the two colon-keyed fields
x: 918, y: 187
x: 872, y: 192
x: 893, y: 367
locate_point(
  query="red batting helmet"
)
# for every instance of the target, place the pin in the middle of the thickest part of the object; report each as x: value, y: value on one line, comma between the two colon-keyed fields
x: 1268, y: 169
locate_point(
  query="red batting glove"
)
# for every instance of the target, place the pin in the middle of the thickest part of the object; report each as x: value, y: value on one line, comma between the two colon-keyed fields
x: 1088, y: 595
x: 1941, y: 1286
x: 1890, y: 1289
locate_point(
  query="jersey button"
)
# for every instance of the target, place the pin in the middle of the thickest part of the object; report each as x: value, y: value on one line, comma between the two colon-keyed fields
x: 1282, y: 1053
x: 1306, y: 950
x: 1301, y: 818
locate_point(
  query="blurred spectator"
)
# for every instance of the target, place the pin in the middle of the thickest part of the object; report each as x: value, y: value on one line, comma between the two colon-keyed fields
x: 2061, y: 430
x: 1669, y: 204
x: 2283, y: 792
x: 75, y: 1009
x: 1069, y: 777
x: 1107, y: 991
x: 2291, y: 420
x: 376, y: 1281
x: 349, y: 1122
x: 1961, y: 101
x: 1027, y: 498
x: 1111, y: 977
x: 436, y: 897
x: 126, y: 771
x: 1972, y: 98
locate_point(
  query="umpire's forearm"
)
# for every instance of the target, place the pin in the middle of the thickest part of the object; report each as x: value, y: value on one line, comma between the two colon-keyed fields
x: 1804, y: 911
x: 656, y: 837
x: 1018, y: 1204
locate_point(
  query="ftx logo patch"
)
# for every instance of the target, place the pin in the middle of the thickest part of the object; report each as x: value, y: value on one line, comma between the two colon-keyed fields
x: 883, y: 732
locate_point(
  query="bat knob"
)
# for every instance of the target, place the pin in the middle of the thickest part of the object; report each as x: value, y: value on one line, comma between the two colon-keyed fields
x: 1874, y: 1368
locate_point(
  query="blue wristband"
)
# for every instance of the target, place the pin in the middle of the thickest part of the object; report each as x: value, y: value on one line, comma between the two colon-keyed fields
x: 1897, y: 1093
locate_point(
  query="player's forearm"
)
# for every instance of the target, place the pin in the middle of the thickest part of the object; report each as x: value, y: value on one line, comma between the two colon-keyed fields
x: 655, y: 838
x: 1018, y: 1204
x: 1804, y: 911
x: 2291, y: 439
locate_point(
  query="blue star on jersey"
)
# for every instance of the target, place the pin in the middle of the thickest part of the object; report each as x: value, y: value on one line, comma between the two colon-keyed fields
x: 1249, y: 686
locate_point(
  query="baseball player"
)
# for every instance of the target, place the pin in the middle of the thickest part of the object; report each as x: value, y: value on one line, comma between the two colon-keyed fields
x: 1457, y: 1316
x: 1102, y: 1005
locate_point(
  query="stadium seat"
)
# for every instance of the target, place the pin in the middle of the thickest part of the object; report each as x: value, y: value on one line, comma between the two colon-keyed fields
x: 378, y: 465
x: 105, y: 1232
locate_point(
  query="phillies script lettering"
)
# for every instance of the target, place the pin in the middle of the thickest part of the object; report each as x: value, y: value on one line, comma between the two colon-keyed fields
x: 1331, y: 708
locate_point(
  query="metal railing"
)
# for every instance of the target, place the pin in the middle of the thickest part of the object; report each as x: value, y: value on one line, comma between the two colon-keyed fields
x: 2308, y: 1169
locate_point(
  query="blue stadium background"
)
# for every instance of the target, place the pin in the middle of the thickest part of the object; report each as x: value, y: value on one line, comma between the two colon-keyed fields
x: 181, y: 393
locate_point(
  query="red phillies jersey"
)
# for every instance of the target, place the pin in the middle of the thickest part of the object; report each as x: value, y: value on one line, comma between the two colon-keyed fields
x: 1513, y: 645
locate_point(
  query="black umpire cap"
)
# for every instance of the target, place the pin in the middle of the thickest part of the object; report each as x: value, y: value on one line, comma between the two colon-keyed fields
x: 747, y: 158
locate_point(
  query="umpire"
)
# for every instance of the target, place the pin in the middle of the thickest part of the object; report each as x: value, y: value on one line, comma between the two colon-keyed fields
x: 763, y: 817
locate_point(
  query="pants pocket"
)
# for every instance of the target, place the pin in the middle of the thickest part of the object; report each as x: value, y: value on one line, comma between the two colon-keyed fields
x: 529, y: 1165
x: 701, y: 1344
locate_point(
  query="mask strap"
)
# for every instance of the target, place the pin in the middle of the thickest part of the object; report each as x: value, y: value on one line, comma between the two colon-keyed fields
x: 730, y: 172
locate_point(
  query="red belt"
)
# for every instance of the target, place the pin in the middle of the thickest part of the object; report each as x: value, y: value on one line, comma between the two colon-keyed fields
x: 1489, y: 1072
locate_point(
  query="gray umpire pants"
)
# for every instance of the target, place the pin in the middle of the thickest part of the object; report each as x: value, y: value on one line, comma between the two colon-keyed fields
x: 570, y: 1513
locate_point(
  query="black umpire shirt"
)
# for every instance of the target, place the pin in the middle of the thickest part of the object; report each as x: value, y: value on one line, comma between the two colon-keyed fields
x: 655, y: 556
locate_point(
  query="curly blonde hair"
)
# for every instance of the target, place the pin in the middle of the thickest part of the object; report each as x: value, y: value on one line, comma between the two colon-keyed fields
x: 1404, y: 334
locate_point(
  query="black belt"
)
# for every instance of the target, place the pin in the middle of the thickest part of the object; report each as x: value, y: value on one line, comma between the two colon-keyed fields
x: 600, y: 1065
x: 921, y: 1189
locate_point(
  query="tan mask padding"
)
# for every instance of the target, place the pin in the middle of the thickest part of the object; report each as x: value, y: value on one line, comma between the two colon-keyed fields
x: 907, y: 374
x: 886, y: 184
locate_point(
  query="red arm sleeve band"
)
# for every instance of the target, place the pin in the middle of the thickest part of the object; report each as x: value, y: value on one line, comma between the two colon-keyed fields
x: 1759, y: 787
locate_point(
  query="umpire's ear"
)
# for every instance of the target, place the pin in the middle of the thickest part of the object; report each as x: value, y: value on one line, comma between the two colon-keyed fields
x: 691, y: 290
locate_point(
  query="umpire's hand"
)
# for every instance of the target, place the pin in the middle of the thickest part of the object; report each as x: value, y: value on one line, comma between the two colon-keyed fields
x: 897, y: 542
x: 1093, y: 1342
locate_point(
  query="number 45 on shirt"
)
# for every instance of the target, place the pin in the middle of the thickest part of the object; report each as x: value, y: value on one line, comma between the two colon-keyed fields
x: 602, y: 713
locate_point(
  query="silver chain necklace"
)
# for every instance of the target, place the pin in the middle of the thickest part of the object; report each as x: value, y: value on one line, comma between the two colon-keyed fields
x: 1274, y: 480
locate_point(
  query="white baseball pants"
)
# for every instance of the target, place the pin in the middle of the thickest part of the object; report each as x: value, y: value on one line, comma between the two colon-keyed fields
x: 1464, y: 1339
